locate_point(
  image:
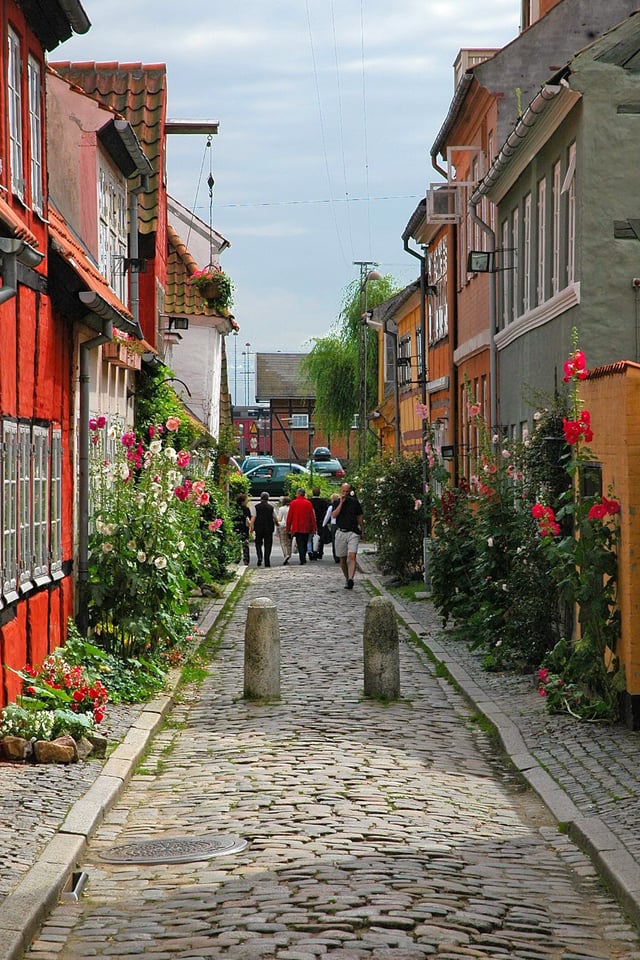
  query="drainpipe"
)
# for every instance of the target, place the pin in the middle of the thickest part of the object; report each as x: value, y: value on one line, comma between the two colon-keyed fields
x: 493, y: 353
x: 423, y: 394
x: 134, y: 246
x: 12, y: 250
x: 86, y: 347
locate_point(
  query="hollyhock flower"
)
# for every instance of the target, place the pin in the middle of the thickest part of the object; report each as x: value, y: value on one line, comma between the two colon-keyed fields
x: 170, y: 454
x: 93, y: 424
x: 141, y: 556
x: 537, y: 511
x: 422, y: 411
x: 128, y: 439
x: 505, y: 454
x: 417, y: 504
x: 160, y: 562
x: 107, y: 547
x: 183, y: 458
x: 181, y: 493
x: 474, y: 409
x: 203, y: 499
x: 155, y: 446
x: 612, y: 505
x: 173, y: 423
x: 490, y: 541
x: 215, y: 525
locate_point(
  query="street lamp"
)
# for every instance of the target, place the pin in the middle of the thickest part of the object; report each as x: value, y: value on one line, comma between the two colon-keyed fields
x: 366, y: 274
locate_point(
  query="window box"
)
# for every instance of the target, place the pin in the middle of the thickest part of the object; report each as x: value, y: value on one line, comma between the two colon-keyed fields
x: 120, y: 356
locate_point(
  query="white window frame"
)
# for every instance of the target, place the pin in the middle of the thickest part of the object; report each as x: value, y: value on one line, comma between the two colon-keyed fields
x: 299, y: 421
x: 526, y: 254
x: 507, y: 278
x: 9, y: 468
x: 40, y: 503
x: 515, y: 240
x: 404, y: 353
x: 438, y: 306
x: 541, y: 280
x: 14, y: 104
x: 569, y: 187
x: 555, y: 227
x: 112, y: 229
x: 25, y: 529
x: 55, y: 508
x: 34, y: 78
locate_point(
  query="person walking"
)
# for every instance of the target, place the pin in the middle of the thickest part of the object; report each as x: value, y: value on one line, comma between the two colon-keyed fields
x: 301, y: 521
x: 242, y: 524
x: 329, y: 524
x: 350, y: 524
x: 283, y: 536
x: 263, y: 525
x: 319, y: 505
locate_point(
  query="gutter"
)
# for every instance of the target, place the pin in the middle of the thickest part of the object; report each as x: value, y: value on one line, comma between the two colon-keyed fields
x: 75, y: 14
x: 12, y: 251
x: 458, y: 98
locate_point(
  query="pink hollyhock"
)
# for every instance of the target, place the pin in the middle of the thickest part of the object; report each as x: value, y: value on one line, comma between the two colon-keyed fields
x: 173, y: 423
x: 183, y: 458
x: 474, y: 409
x: 215, y: 524
x: 422, y: 411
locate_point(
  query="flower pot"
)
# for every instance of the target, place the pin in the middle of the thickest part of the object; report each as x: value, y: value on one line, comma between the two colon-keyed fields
x: 209, y: 290
x: 118, y: 354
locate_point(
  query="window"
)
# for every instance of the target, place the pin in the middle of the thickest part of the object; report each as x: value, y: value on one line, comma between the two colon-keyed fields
x: 555, y: 248
x: 14, y: 99
x: 569, y: 187
x: 438, y: 312
x: 541, y: 252
x: 526, y: 254
x: 9, y: 510
x: 404, y: 361
x: 40, y: 504
x: 112, y: 230
x: 419, y: 352
x: 31, y: 476
x: 515, y: 236
x: 390, y: 340
x: 55, y: 509
x: 34, y: 73
x: 25, y: 529
x: 300, y: 421
x: 506, y: 277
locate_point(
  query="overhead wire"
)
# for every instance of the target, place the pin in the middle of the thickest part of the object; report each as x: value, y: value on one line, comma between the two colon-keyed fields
x: 195, y: 199
x: 364, y: 122
x: 341, y: 128
x: 322, y: 131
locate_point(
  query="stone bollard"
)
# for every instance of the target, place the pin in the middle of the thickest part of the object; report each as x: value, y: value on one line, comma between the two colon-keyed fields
x: 381, y: 653
x: 262, y: 650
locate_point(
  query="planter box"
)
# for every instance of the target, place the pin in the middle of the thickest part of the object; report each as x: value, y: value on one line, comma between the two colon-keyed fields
x: 118, y: 354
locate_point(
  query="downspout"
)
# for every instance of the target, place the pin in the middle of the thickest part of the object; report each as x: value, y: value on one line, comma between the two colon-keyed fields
x: 426, y: 533
x: 134, y: 246
x: 493, y: 352
x: 396, y: 390
x: 86, y: 347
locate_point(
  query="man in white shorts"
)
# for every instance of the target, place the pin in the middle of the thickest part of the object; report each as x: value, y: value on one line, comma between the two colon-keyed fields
x: 349, y: 526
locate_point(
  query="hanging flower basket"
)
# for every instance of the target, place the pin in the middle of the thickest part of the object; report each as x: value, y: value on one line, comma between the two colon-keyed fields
x: 214, y: 286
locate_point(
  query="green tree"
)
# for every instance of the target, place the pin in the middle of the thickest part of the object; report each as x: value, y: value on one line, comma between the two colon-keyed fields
x: 333, y: 365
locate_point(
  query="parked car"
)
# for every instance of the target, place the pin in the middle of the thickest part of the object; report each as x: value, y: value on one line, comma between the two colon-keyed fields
x: 271, y: 476
x: 255, y: 460
x: 234, y: 465
x: 321, y: 453
x: 326, y: 468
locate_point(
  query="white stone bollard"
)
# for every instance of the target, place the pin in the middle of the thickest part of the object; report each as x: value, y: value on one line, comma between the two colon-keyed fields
x: 381, y: 651
x: 262, y: 650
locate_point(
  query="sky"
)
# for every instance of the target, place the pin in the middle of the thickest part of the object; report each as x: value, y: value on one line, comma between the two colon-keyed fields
x: 328, y: 110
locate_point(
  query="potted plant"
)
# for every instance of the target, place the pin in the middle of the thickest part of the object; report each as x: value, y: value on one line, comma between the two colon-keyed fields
x: 214, y: 286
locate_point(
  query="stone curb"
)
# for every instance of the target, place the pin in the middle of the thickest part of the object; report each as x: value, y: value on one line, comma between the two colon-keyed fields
x: 24, y: 910
x: 616, y: 866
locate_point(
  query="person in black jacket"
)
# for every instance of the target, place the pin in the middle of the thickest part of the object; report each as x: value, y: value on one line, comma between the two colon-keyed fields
x: 263, y: 525
x: 320, y: 505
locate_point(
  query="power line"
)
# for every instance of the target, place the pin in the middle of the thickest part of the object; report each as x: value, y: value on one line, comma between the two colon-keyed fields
x: 292, y: 203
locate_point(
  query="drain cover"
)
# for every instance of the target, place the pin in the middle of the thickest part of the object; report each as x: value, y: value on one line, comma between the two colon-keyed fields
x: 174, y: 849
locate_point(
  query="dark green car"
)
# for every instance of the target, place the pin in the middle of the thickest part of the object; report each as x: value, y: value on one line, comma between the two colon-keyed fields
x: 271, y: 477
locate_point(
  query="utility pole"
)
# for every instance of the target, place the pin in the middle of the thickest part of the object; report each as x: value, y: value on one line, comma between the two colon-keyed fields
x: 366, y: 273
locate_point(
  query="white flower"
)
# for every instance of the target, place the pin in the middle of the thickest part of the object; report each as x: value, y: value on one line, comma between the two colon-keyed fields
x: 155, y: 446
x: 123, y: 470
x: 111, y: 433
x: 180, y: 545
x: 160, y: 562
x: 505, y: 454
x: 131, y: 544
x: 537, y: 415
x: 525, y: 433
x: 107, y: 547
x: 170, y: 453
x: 141, y: 555
x: 162, y: 507
x: 109, y: 528
x: 490, y: 542
x: 495, y: 438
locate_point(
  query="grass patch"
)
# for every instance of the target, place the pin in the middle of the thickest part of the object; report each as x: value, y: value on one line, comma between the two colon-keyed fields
x: 482, y: 723
x: 408, y: 591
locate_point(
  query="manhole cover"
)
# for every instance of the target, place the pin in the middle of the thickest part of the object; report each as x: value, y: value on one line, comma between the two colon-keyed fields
x: 174, y: 849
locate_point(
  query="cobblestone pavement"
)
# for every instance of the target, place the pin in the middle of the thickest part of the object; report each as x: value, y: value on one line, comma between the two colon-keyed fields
x: 375, y: 831
x: 596, y: 764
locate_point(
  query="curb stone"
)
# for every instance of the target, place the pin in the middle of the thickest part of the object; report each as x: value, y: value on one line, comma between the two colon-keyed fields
x: 615, y: 864
x: 23, y: 911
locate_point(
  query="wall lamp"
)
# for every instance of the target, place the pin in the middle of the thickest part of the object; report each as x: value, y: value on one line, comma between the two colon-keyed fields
x: 175, y: 380
x: 175, y: 323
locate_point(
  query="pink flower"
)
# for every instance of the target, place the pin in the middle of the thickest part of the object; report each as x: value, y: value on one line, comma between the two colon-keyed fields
x: 183, y: 458
x: 474, y: 409
x: 203, y: 499
x: 422, y: 411
x: 215, y: 524
x: 417, y: 504
x: 173, y: 423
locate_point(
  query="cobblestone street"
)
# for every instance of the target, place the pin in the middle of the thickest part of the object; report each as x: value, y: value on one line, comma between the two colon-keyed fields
x: 374, y: 830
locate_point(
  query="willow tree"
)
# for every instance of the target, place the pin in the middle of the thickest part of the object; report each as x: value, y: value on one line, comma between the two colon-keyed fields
x: 343, y: 364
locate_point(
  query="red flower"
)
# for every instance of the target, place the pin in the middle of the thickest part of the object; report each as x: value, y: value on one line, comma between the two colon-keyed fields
x: 597, y: 512
x: 78, y: 695
x: 537, y: 511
